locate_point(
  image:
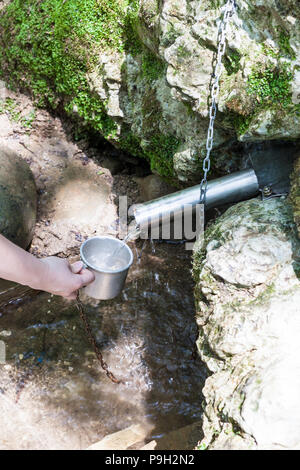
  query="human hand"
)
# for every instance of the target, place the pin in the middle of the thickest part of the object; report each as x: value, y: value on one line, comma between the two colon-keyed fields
x: 62, y: 278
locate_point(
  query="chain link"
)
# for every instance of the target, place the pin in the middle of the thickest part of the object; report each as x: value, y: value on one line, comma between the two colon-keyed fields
x: 93, y: 342
x: 215, y: 89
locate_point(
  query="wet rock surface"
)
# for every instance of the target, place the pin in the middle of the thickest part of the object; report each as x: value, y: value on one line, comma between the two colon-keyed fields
x: 247, y: 298
x: 53, y: 393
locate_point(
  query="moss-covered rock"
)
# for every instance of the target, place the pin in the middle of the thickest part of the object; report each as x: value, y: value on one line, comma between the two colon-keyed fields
x: 247, y: 300
x: 139, y: 71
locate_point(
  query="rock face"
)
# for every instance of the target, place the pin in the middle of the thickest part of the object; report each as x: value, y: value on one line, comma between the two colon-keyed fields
x: 138, y: 71
x: 295, y: 192
x: 153, y: 187
x: 248, y: 297
x: 18, y: 199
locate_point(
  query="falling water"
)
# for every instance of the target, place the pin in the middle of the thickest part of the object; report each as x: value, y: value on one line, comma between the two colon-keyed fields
x: 111, y: 261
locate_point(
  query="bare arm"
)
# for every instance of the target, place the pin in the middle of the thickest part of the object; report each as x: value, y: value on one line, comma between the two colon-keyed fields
x: 54, y: 275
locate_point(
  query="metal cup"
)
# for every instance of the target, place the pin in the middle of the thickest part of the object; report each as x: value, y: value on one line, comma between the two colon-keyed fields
x: 108, y: 283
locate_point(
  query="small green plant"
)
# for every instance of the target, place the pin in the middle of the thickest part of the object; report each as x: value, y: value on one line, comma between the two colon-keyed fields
x: 183, y: 52
x: 271, y: 84
x: 12, y: 108
x: 9, y: 106
x: 202, y: 446
x: 28, y: 120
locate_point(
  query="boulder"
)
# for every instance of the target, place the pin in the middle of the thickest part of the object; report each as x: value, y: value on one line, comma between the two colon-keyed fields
x: 18, y: 199
x: 247, y: 298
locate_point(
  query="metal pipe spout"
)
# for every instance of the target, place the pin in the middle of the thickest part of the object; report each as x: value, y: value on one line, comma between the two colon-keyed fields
x: 228, y: 189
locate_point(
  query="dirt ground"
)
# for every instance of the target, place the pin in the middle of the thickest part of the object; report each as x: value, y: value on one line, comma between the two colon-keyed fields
x: 77, y: 184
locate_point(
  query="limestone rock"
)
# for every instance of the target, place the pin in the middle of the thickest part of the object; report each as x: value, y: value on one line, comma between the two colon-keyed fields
x: 18, y: 198
x: 5, y: 126
x: 295, y: 192
x: 248, y: 297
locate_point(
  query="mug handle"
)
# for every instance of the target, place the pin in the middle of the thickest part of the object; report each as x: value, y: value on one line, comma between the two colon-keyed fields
x: 85, y: 266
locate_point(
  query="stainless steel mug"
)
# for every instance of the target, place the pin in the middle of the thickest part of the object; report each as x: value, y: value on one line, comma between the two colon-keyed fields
x: 108, y: 283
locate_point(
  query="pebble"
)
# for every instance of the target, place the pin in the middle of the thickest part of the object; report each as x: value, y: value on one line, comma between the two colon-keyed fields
x: 5, y: 333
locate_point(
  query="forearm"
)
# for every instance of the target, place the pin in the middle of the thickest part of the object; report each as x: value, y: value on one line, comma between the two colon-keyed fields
x: 51, y: 274
x: 20, y: 266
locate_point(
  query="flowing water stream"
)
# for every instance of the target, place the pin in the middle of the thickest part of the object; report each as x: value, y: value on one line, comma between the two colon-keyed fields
x: 53, y: 393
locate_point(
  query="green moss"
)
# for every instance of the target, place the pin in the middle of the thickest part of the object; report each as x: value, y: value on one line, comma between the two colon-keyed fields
x: 131, y: 144
x: 202, y: 446
x: 284, y: 44
x: 216, y: 3
x: 132, y: 42
x: 170, y: 36
x: 284, y: 48
x: 10, y: 106
x: 44, y: 44
x: 152, y: 67
x: 49, y: 47
x: 160, y: 151
x: 239, y: 122
x: 269, y: 87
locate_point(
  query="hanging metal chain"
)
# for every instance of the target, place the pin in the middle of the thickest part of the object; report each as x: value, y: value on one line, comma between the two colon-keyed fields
x: 215, y: 89
x: 93, y: 342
